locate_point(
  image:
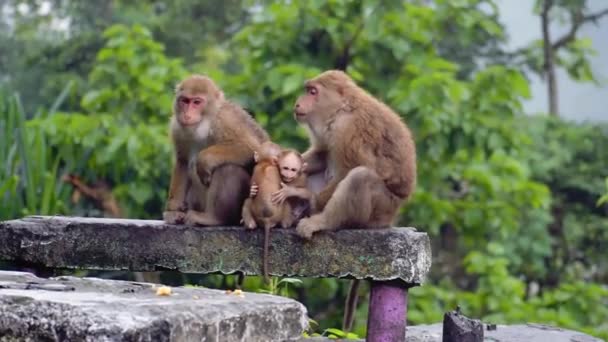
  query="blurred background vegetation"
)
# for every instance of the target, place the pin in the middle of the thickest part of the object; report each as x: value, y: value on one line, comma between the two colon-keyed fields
x: 515, y: 204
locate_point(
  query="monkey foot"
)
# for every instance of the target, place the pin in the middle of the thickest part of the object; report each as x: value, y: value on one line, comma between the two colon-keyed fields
x: 250, y: 224
x: 200, y: 218
x: 308, y: 226
x: 174, y: 217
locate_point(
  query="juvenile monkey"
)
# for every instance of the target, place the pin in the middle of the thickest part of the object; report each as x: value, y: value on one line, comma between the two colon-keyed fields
x: 260, y: 209
x: 367, y: 151
x: 213, y: 140
x: 294, y: 187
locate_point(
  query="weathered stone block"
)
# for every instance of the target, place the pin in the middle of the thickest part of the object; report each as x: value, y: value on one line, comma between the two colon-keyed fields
x: 141, y: 245
x: 90, y: 309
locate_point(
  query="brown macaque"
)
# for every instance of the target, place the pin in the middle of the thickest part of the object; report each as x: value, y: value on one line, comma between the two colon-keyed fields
x: 294, y: 187
x: 259, y: 209
x: 214, y: 141
x: 368, y: 153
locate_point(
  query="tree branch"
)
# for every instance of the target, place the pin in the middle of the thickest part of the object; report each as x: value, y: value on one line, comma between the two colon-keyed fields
x: 578, y: 20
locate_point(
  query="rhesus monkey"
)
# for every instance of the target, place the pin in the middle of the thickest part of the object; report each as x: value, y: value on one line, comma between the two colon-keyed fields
x: 294, y: 187
x: 214, y: 141
x: 366, y: 149
x: 260, y: 209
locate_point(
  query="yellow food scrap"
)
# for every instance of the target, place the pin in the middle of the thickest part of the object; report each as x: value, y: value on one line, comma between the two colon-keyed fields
x: 163, y: 291
x: 195, y: 297
x: 236, y: 292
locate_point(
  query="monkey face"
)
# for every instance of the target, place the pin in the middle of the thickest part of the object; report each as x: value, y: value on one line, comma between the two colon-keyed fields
x: 290, y: 167
x: 190, y: 109
x: 195, y: 96
x: 306, y: 102
x: 318, y: 102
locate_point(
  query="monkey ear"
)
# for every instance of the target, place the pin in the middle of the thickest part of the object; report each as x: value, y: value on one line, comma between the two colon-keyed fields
x: 304, y: 167
x: 274, y: 160
x: 220, y: 95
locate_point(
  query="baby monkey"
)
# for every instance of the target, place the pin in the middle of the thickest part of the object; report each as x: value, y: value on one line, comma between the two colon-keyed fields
x: 278, y: 193
x: 294, y: 191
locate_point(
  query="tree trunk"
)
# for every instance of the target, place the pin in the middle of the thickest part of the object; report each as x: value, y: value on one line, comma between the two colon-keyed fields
x: 549, y: 57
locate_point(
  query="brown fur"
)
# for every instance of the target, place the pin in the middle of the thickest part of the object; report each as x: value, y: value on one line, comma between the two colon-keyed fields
x: 298, y: 201
x: 368, y: 149
x: 368, y: 155
x: 213, y: 150
x: 260, y: 210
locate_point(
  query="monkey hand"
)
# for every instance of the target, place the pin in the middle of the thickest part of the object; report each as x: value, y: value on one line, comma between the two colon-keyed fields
x: 254, y: 190
x: 174, y: 216
x: 307, y: 226
x: 281, y: 195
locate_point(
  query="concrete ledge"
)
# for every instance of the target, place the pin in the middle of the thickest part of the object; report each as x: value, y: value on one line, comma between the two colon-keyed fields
x: 146, y: 245
x: 90, y: 309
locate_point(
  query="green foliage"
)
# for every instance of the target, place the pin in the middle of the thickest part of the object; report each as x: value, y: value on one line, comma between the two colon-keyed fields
x: 132, y: 78
x: 604, y: 198
x: 510, y: 201
x: 29, y: 182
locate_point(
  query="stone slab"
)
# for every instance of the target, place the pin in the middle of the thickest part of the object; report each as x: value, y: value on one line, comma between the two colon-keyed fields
x: 529, y: 332
x: 148, y: 245
x: 91, y: 309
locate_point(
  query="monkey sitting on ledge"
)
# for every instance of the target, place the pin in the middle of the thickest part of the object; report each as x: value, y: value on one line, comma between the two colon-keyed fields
x: 294, y: 191
x: 266, y: 205
x: 214, y: 141
x: 366, y: 150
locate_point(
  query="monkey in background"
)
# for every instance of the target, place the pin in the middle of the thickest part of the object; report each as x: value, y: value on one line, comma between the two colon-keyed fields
x: 368, y: 153
x: 213, y: 141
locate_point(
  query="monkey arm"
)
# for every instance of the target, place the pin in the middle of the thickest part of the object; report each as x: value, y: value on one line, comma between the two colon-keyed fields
x: 316, y: 160
x: 302, y: 193
x: 217, y: 155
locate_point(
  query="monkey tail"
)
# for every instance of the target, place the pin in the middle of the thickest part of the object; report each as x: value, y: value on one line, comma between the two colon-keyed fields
x: 350, y: 307
x: 265, y: 256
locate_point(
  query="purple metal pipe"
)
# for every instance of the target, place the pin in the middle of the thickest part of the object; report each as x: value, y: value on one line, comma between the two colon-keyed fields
x: 387, y: 316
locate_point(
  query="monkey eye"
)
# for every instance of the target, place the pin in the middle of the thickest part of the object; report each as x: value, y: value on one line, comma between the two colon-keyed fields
x: 197, y: 102
x: 184, y: 100
x: 312, y: 90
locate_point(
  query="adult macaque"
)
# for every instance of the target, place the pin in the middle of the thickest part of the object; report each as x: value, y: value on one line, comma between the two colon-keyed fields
x: 368, y: 155
x: 214, y: 141
x: 368, y: 151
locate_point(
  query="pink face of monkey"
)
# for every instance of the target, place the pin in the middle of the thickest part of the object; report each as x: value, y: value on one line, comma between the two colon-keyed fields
x: 195, y: 97
x: 290, y: 167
